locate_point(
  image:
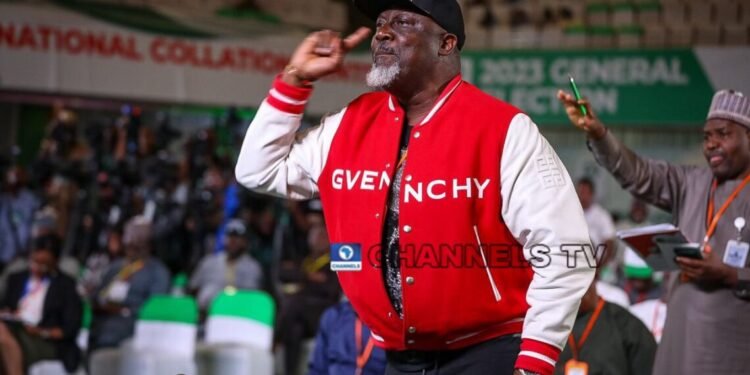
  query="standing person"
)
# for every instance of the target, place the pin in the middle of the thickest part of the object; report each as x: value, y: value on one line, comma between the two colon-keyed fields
x: 40, y: 314
x: 127, y: 284
x: 344, y: 346
x: 430, y: 162
x: 708, y: 321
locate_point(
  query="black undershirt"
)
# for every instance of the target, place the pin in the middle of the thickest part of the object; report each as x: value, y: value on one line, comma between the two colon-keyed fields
x: 390, y: 242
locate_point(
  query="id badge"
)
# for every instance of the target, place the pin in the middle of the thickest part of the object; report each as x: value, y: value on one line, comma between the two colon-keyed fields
x: 736, y: 253
x: 573, y: 367
x: 118, y: 291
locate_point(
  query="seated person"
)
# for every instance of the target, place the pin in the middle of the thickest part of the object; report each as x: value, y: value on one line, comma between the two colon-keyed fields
x: 343, y: 345
x: 98, y: 263
x: 233, y: 268
x: 41, y: 313
x: 606, y: 339
x: 127, y: 284
x: 639, y: 279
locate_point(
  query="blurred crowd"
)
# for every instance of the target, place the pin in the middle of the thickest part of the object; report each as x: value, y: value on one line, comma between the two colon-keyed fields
x: 143, y: 209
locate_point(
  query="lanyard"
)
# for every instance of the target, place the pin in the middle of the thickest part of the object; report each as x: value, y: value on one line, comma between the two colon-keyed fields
x: 123, y: 275
x: 129, y: 270
x: 713, y: 220
x: 315, y: 265
x: 575, y: 348
x: 362, y: 355
x: 30, y: 290
x: 33, y: 288
x: 230, y: 273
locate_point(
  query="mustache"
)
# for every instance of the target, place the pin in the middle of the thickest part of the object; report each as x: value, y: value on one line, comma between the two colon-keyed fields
x: 383, y: 50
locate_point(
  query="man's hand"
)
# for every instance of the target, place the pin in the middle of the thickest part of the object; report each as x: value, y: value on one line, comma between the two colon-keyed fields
x: 590, y: 123
x: 32, y: 330
x: 51, y: 333
x: 320, y: 54
x: 708, y: 269
x: 317, y: 277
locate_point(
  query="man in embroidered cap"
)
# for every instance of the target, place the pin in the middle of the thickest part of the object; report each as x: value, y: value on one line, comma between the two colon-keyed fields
x: 127, y: 284
x: 425, y: 162
x: 708, y: 317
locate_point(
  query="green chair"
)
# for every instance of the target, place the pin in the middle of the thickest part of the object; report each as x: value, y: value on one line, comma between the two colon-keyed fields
x: 165, y: 338
x: 167, y: 323
x: 239, y: 333
x: 241, y: 317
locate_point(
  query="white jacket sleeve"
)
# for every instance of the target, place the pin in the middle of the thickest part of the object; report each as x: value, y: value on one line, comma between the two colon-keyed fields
x: 542, y: 210
x: 275, y: 158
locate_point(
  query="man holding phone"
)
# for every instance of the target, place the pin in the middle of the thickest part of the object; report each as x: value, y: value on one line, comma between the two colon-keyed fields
x: 708, y: 321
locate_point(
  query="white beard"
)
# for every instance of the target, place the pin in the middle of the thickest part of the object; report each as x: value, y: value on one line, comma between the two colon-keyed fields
x: 382, y: 76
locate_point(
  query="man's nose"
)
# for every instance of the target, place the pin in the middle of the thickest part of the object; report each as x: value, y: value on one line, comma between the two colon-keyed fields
x: 384, y: 32
x: 710, y: 143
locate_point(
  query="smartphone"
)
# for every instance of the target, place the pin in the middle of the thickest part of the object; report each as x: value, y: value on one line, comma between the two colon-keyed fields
x: 688, y: 251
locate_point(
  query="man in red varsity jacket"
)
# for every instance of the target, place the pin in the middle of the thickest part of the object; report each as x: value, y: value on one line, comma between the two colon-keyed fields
x: 466, y: 246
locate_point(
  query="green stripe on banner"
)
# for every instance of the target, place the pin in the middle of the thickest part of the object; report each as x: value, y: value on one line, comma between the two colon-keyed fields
x: 139, y: 18
x: 253, y: 305
x: 170, y: 309
x: 665, y: 88
x: 248, y: 14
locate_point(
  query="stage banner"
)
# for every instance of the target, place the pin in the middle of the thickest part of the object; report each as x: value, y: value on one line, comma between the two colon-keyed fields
x: 645, y: 87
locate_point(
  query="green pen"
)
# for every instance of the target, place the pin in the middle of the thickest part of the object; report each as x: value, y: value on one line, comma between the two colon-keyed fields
x: 577, y: 95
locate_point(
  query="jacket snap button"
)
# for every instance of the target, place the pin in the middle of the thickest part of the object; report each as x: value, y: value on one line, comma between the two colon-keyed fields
x: 409, y: 280
x: 408, y: 177
x: 412, y: 330
x: 407, y: 228
x: 416, y: 135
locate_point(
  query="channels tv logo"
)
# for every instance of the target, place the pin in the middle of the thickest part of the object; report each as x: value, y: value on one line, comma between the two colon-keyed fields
x: 346, y: 257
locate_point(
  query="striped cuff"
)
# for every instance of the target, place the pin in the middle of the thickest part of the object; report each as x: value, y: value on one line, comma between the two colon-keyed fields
x: 288, y: 98
x: 538, y: 357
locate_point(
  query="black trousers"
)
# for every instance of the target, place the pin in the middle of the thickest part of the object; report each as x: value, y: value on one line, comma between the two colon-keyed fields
x: 496, y: 356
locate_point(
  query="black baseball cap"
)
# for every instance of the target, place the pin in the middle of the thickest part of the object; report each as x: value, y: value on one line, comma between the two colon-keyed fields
x: 446, y: 13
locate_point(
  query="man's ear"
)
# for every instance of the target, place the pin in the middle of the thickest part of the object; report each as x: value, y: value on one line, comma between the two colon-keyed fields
x: 448, y: 44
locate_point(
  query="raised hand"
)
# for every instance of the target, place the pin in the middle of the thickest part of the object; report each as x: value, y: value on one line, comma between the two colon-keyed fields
x: 589, y: 123
x: 321, y: 54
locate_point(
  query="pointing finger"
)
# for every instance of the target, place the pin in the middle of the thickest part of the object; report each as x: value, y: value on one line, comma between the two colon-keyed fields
x: 356, y: 38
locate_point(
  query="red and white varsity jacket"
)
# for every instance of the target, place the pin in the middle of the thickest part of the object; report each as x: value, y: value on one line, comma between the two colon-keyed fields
x: 480, y: 182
